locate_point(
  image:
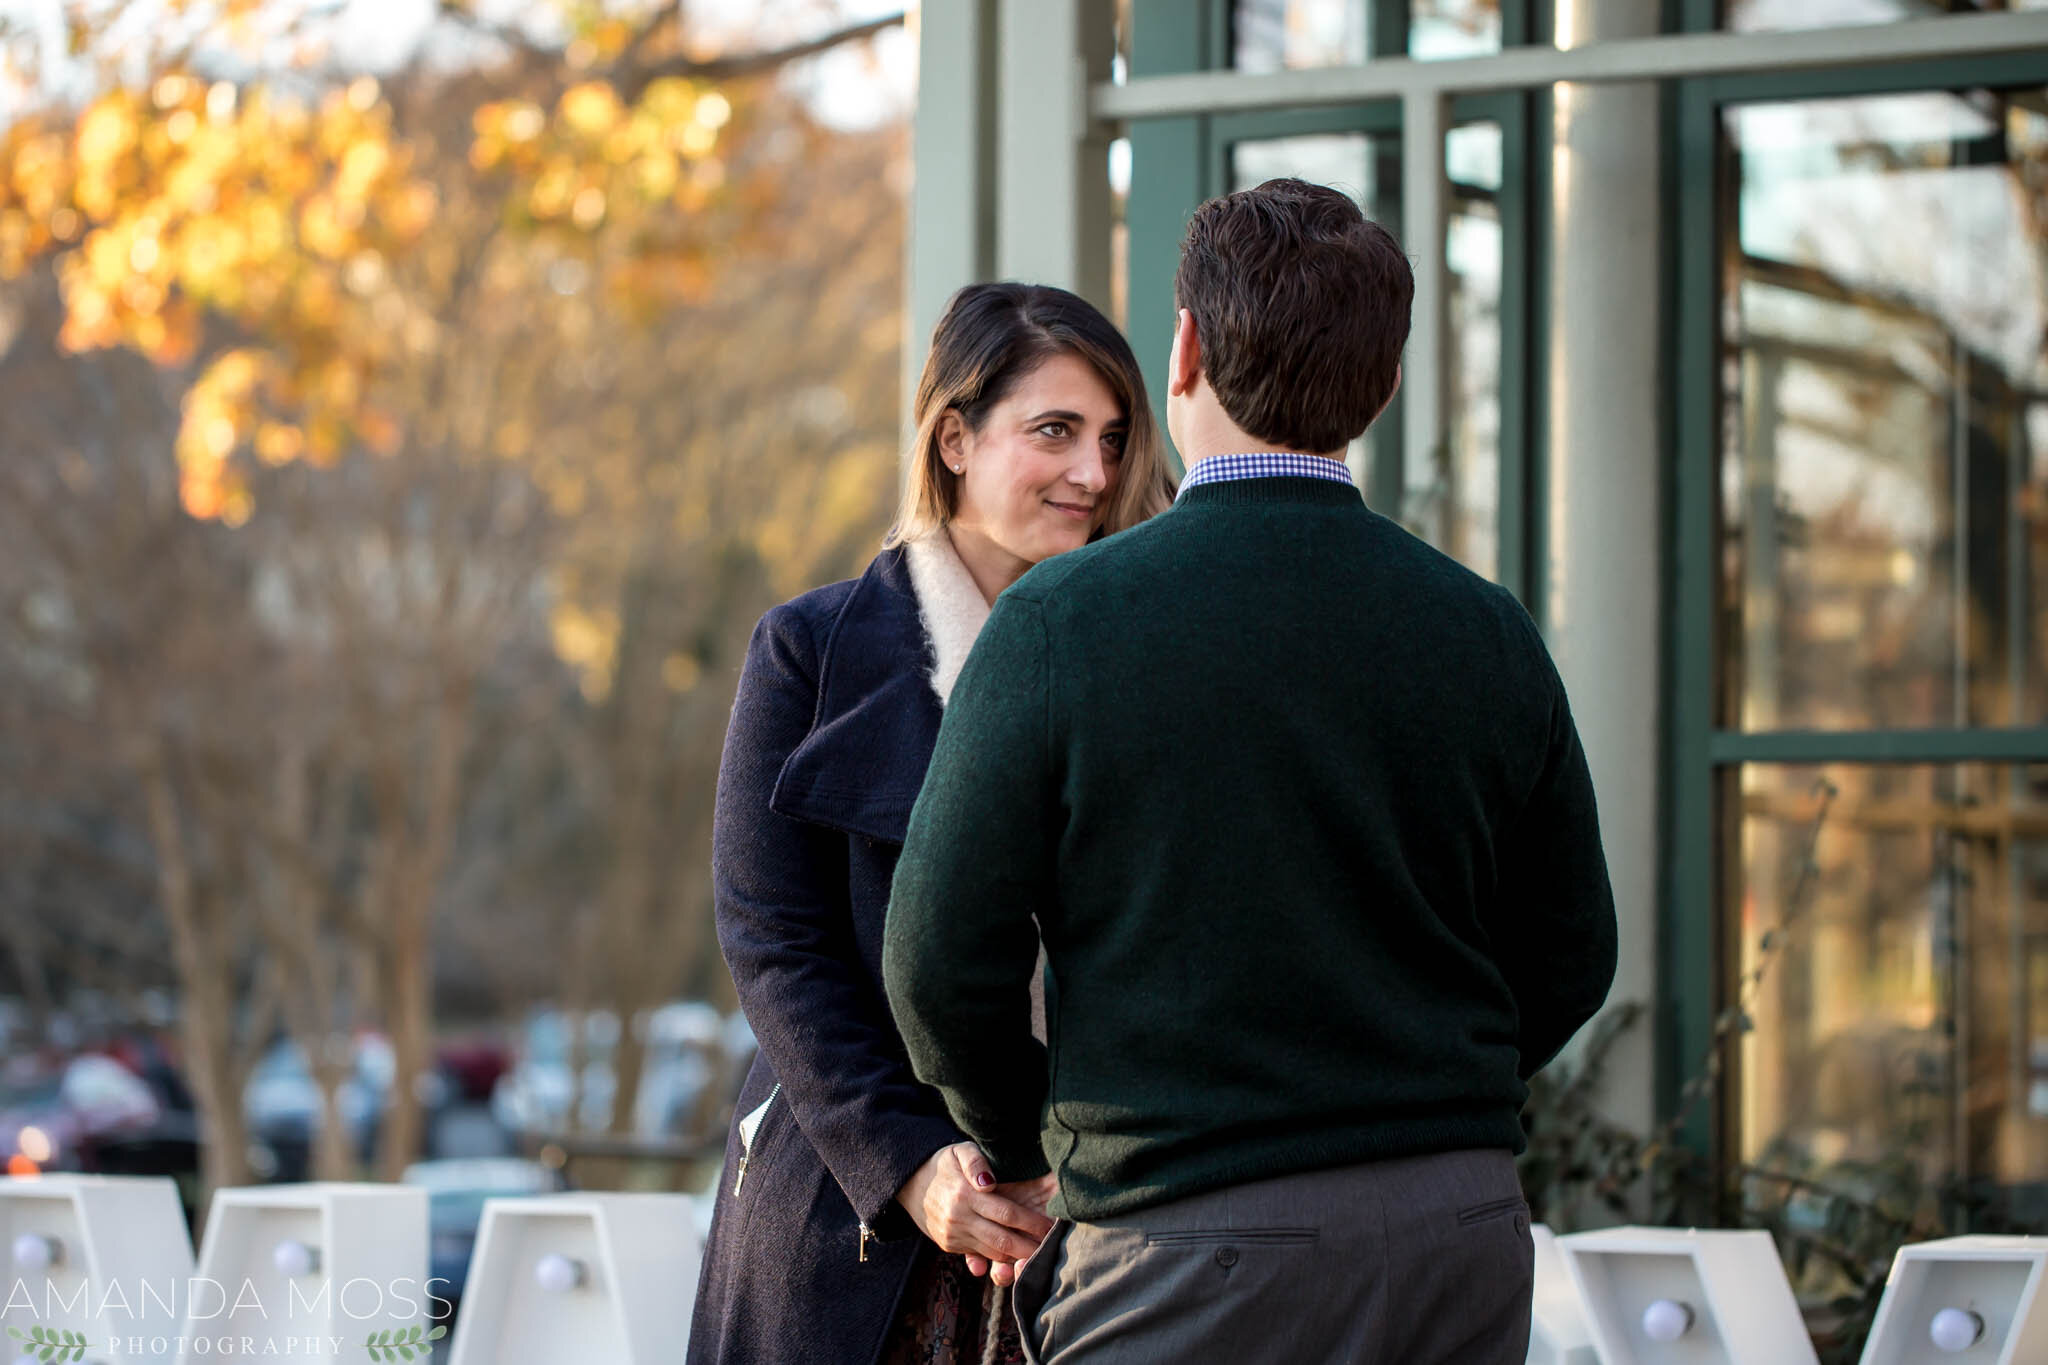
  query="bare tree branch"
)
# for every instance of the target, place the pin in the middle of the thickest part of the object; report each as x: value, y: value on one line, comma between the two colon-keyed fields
x: 632, y: 75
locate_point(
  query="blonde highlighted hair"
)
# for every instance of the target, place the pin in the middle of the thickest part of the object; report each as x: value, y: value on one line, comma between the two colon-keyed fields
x: 990, y: 338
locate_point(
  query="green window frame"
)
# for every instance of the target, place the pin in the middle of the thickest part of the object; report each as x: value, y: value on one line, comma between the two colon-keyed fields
x: 1703, y: 759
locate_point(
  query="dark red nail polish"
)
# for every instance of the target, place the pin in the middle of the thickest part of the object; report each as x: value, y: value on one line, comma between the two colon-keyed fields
x: 984, y: 1180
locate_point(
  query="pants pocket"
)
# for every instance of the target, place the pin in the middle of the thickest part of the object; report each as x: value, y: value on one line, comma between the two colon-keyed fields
x: 1033, y: 1292
x: 1239, y: 1236
x: 1491, y: 1209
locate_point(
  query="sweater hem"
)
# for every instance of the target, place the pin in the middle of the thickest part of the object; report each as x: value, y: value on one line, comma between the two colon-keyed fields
x: 1293, y: 1154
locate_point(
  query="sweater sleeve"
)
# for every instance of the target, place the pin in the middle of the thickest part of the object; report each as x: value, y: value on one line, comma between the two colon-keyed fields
x: 960, y: 946
x: 785, y: 924
x: 1553, y: 926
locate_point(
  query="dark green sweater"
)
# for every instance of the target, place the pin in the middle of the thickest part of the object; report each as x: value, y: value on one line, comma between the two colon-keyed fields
x: 1299, y: 809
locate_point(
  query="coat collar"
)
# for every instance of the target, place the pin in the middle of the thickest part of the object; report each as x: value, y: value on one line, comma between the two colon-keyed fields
x: 860, y: 767
x: 949, y: 603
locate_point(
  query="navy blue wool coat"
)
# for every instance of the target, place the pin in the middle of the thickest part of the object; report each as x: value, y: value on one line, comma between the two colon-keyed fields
x: 830, y: 737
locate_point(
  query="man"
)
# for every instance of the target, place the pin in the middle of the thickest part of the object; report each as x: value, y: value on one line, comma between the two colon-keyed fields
x: 1298, y: 809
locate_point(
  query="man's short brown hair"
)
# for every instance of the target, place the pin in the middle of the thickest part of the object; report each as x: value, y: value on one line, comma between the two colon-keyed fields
x: 1301, y: 304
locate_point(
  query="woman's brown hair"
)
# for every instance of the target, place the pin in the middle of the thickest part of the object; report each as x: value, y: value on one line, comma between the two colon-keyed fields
x: 990, y: 338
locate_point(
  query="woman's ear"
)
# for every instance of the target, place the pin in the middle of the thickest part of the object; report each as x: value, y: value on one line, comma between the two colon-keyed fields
x: 953, y: 440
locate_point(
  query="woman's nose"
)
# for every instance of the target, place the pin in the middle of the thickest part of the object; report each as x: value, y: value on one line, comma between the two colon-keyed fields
x: 1090, y: 472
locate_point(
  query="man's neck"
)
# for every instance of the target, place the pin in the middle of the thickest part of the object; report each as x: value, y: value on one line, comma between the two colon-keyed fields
x: 1220, y: 436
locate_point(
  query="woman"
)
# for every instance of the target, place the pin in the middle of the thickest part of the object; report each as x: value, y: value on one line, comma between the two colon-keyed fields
x: 851, y: 1210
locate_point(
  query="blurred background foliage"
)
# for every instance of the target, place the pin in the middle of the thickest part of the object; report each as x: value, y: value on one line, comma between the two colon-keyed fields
x: 393, y: 463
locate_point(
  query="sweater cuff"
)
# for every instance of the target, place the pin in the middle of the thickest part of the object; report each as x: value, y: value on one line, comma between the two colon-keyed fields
x: 1019, y: 1158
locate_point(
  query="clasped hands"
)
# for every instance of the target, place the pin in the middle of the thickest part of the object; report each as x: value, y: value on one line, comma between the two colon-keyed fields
x: 954, y: 1200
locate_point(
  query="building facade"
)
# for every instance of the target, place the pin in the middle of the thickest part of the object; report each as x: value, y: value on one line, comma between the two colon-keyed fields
x: 1730, y: 357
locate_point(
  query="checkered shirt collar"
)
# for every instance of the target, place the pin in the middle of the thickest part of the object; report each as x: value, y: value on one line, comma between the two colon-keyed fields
x: 1265, y: 464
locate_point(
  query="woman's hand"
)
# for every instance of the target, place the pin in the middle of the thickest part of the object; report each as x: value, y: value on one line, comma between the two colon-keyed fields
x: 954, y: 1200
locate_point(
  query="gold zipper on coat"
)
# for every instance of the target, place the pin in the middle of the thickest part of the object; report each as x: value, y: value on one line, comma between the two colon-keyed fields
x: 748, y: 1137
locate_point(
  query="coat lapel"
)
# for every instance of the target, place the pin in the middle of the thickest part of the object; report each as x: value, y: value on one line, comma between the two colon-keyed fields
x: 860, y: 767
x: 951, y: 607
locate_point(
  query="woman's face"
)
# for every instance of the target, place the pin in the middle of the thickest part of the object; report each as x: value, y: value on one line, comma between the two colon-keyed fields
x: 1036, y: 480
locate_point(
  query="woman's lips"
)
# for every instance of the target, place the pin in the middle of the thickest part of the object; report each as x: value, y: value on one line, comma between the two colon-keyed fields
x: 1074, y: 510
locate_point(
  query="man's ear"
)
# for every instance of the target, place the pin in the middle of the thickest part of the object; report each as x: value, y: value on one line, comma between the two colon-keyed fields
x: 1184, y: 366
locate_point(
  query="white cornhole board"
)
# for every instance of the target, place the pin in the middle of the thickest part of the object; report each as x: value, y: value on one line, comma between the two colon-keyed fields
x: 369, y: 1274
x: 1732, y: 1284
x: 636, y: 1258
x: 1558, y: 1334
x: 1998, y: 1279
x: 119, y: 1257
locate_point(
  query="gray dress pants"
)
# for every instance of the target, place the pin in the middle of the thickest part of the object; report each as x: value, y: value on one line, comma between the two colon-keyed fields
x: 1409, y: 1262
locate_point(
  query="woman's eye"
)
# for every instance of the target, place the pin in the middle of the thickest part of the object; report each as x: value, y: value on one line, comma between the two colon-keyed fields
x: 1056, y: 430
x: 1114, y: 443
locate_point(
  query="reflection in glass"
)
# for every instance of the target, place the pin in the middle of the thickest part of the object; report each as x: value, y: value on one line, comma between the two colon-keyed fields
x: 1884, y: 473
x: 1453, y: 28
x: 1899, y: 1048
x: 1757, y: 16
x: 1289, y: 35
x: 1454, y: 503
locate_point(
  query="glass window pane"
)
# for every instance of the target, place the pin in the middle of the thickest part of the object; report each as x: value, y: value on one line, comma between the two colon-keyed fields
x: 1288, y: 35
x: 1899, y: 1047
x: 1454, y: 504
x: 1884, y: 485
x: 1453, y: 28
x: 1757, y: 16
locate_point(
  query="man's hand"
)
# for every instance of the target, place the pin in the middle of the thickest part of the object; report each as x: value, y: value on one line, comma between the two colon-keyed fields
x: 1031, y: 1194
x: 954, y: 1200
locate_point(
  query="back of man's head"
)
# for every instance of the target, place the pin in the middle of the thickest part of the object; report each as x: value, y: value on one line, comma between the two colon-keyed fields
x: 1301, y: 306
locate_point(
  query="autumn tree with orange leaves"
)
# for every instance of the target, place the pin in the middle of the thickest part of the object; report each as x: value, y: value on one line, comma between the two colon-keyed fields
x: 517, y: 389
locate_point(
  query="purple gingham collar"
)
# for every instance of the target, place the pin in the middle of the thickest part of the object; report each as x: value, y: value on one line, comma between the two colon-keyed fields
x: 1265, y: 464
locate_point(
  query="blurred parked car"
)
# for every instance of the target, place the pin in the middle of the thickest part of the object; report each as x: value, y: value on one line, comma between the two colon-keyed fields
x: 63, y: 1118
x: 170, y: 1145
x: 281, y: 1103
x: 535, y: 1095
x: 456, y: 1191
x: 473, y: 1066
x: 688, y: 1048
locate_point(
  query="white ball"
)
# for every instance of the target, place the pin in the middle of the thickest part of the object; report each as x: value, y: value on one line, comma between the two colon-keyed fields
x: 557, y: 1274
x: 294, y: 1259
x: 1956, y: 1329
x: 1667, y: 1320
x: 33, y: 1251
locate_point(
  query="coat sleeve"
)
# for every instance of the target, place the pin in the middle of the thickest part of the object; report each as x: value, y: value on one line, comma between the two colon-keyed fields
x: 785, y: 924
x: 961, y: 945
x: 1553, y: 926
